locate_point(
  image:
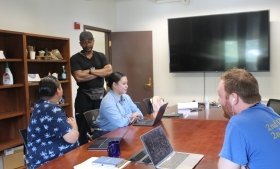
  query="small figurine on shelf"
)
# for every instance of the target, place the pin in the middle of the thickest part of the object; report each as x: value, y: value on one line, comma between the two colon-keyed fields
x: 63, y: 74
x: 57, y: 54
x: 46, y: 52
x: 2, y: 56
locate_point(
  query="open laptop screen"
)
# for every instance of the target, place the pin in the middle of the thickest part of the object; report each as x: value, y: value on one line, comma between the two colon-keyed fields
x: 156, y: 144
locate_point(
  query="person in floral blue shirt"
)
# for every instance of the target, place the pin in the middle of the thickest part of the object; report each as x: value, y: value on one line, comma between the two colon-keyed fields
x: 50, y: 133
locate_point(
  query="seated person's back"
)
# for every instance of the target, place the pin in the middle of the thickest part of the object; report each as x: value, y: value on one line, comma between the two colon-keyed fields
x: 50, y: 133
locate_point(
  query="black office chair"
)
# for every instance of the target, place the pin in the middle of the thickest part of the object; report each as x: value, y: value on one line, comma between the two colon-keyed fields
x: 23, y: 134
x: 148, y: 105
x: 93, y: 130
x: 138, y: 104
x: 274, y: 104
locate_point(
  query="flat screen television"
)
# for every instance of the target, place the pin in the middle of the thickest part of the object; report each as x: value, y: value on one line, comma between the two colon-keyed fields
x: 219, y: 42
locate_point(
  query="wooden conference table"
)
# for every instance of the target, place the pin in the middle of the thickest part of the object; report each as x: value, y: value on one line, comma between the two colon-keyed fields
x: 201, y: 136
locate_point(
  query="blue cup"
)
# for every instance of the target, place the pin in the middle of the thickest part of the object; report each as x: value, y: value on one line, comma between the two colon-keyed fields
x: 113, y: 149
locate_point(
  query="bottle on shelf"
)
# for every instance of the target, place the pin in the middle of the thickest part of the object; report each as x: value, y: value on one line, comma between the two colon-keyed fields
x: 61, y: 101
x: 8, y: 76
x: 2, y: 56
x: 63, y: 74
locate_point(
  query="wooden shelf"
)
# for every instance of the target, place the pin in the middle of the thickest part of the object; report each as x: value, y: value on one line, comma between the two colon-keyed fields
x: 11, y: 86
x: 65, y: 104
x: 46, y: 61
x: 17, y: 99
x: 10, y: 143
x: 11, y: 60
x: 8, y: 115
x: 37, y: 83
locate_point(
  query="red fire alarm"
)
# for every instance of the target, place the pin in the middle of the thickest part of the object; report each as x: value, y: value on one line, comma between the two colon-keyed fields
x: 76, y: 25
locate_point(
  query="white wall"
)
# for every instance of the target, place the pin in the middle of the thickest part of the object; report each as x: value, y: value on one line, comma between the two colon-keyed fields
x: 56, y: 17
x: 133, y: 15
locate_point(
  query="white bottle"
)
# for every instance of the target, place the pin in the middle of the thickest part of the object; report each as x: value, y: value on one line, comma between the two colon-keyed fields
x: 2, y: 56
x: 63, y: 75
x: 8, y: 76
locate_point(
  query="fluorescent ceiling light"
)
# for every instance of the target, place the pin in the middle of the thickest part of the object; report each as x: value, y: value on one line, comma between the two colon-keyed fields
x: 168, y: 1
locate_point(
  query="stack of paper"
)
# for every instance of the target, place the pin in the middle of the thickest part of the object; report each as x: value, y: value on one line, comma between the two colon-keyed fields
x: 187, y: 105
x: 103, y: 163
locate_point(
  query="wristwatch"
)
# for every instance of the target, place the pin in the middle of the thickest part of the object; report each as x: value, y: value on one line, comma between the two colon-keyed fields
x: 91, y: 69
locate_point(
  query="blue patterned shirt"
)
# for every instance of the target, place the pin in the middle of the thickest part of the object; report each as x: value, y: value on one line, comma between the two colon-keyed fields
x: 48, y: 125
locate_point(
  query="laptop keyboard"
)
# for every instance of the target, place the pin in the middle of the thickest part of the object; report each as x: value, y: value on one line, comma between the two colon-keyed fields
x: 147, y: 160
x: 174, y: 161
x: 139, y: 157
x: 103, y: 142
x: 146, y: 121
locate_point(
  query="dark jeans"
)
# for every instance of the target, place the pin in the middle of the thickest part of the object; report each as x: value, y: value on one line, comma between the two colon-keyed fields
x: 82, y: 104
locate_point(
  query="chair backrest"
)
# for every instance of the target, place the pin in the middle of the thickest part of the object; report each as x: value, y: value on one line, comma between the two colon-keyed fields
x: 138, y: 104
x: 90, y: 117
x: 274, y: 104
x: 148, y: 105
x: 23, y: 134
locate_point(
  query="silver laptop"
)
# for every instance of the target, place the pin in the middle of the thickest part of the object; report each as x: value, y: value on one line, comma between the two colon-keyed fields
x: 152, y: 122
x: 162, y: 154
x: 101, y: 143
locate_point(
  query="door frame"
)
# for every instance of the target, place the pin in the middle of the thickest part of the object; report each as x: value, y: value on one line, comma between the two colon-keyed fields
x: 107, y: 34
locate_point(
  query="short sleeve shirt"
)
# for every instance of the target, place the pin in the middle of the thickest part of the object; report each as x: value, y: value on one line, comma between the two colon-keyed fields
x: 48, y: 125
x: 253, y: 138
x: 80, y: 62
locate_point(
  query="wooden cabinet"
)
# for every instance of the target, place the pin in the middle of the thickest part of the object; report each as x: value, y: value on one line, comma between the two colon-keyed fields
x: 17, y: 100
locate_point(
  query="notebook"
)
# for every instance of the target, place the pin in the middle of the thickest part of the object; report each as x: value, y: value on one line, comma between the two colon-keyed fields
x: 101, y: 143
x: 152, y: 122
x: 162, y: 154
x: 113, y: 161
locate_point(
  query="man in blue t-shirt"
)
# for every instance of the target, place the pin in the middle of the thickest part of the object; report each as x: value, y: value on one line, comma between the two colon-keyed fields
x: 252, y: 138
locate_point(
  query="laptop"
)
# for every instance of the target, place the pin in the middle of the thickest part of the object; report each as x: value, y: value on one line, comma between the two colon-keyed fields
x: 101, y: 143
x: 152, y: 122
x: 162, y: 154
x: 171, y: 114
x: 141, y: 157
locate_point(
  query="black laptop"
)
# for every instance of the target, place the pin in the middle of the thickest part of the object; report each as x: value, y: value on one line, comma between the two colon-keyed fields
x: 101, y: 143
x: 152, y: 122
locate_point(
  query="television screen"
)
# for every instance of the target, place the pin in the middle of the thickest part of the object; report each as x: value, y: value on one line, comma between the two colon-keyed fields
x: 219, y: 42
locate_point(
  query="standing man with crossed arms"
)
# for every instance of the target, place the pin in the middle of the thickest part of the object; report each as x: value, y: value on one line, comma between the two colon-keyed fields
x: 88, y: 67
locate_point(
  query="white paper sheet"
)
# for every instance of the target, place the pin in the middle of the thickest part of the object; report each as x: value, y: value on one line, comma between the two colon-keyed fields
x: 89, y: 164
